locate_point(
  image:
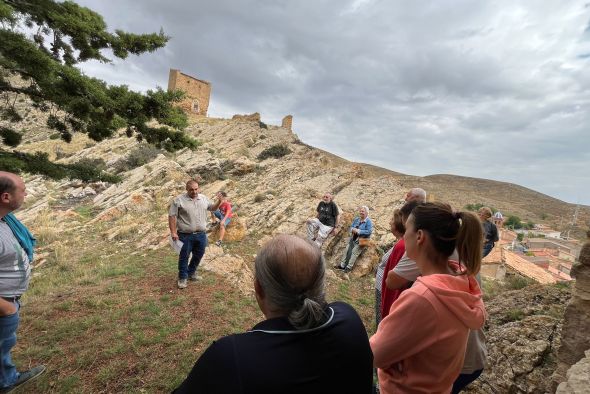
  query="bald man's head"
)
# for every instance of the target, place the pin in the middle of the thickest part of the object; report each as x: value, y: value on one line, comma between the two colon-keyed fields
x: 416, y: 194
x: 12, y: 192
x: 291, y: 272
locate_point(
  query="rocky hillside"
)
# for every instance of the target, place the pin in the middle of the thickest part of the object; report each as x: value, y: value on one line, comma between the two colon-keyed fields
x: 271, y: 195
x: 276, y: 195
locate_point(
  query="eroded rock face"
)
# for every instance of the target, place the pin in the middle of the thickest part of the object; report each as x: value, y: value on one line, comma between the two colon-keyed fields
x: 236, y: 231
x: 522, y: 335
x: 578, y: 377
x: 575, y: 337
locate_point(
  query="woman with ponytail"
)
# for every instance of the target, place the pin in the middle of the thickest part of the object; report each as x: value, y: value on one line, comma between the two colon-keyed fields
x: 420, y: 346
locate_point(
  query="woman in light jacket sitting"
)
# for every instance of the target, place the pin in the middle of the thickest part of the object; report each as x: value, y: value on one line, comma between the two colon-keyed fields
x: 361, y: 228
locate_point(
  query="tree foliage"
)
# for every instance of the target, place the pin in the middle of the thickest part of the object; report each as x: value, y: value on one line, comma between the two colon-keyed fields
x: 42, y: 41
x: 476, y: 206
x: 515, y: 223
x: 276, y: 151
x: 39, y: 163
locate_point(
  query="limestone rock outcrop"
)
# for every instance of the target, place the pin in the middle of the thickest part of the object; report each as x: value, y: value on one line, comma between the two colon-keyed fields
x: 575, y: 338
x: 522, y: 336
x: 235, y: 232
x: 578, y: 378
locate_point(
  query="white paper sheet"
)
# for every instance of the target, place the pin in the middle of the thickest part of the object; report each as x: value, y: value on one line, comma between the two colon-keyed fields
x: 175, y: 245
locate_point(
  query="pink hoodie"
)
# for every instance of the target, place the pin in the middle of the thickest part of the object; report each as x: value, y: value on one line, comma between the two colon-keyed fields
x: 420, y: 346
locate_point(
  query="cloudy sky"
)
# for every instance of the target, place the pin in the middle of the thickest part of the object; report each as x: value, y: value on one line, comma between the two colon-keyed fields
x: 488, y: 89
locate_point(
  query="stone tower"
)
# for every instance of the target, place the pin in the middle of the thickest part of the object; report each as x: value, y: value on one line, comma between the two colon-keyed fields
x: 197, y: 92
x: 287, y: 122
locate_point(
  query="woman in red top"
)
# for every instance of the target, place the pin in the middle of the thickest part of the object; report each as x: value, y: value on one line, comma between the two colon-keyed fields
x: 223, y: 215
x: 388, y: 296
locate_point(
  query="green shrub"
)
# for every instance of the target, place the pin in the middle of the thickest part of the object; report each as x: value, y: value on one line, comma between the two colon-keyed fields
x: 10, y: 137
x: 475, y: 207
x: 89, y: 170
x: 141, y: 155
x: 11, y: 164
x: 55, y: 136
x: 517, y: 282
x: 515, y: 314
x: 262, y: 125
x: 514, y: 222
x: 259, y: 198
x: 276, y: 151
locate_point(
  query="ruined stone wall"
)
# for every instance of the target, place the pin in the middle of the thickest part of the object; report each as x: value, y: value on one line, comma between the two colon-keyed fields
x: 197, y: 92
x: 574, y: 336
x: 255, y: 117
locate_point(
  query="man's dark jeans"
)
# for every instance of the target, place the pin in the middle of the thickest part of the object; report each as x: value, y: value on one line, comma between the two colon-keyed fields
x: 194, y: 243
x: 487, y: 248
x: 464, y: 380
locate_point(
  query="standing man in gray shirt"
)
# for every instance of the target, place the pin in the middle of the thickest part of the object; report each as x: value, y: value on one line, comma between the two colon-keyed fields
x: 16, y: 253
x: 187, y: 219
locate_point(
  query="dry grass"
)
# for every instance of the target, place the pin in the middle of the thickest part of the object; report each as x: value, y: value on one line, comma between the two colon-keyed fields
x: 106, y: 320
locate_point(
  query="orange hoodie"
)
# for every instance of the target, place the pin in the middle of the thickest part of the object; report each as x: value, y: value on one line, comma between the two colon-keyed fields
x: 420, y: 346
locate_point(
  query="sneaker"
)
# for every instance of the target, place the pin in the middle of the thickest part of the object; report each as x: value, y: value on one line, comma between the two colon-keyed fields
x: 182, y: 283
x: 338, y: 267
x: 25, y: 377
x: 218, y: 243
x: 194, y: 277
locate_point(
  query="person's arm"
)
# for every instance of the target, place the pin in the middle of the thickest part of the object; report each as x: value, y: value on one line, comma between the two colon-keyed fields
x: 6, y: 307
x: 407, y: 330
x: 337, y: 220
x: 403, y: 273
x: 172, y: 226
x: 214, y: 206
x: 172, y: 214
x: 394, y: 281
x: 352, y: 229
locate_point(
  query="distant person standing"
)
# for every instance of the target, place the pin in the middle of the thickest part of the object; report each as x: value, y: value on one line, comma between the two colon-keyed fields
x: 187, y: 220
x: 325, y: 222
x: 16, y: 254
x: 490, y: 231
x: 222, y: 215
x: 360, y: 231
